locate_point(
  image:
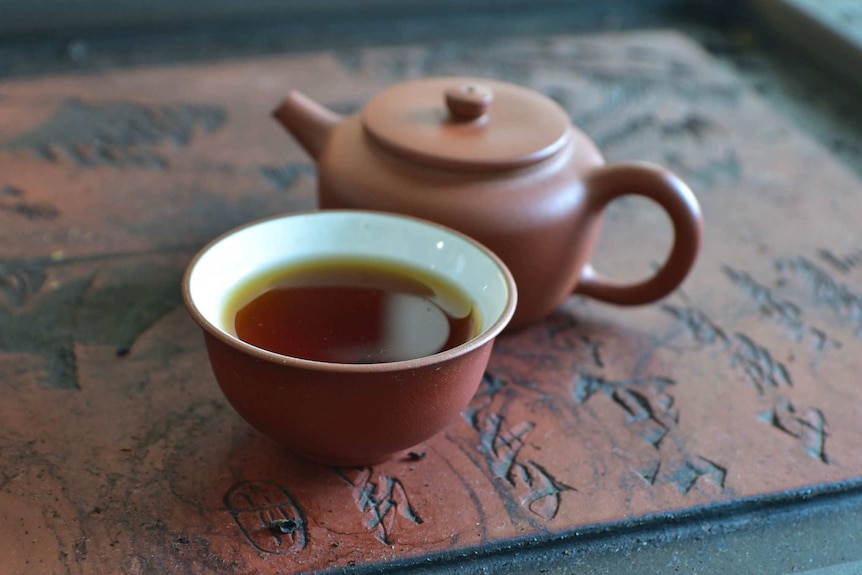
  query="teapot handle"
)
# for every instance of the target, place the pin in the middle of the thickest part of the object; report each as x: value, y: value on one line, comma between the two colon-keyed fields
x: 607, y: 183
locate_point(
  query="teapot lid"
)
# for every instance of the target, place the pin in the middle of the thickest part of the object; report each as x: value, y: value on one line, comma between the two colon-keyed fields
x: 466, y: 123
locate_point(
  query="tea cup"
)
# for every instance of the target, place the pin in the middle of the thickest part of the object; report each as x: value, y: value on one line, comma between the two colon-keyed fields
x: 343, y: 413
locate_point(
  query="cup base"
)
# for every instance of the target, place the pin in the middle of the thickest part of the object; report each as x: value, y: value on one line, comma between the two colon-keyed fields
x: 338, y: 461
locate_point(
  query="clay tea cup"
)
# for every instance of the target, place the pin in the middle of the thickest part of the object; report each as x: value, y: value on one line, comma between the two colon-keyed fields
x: 360, y: 407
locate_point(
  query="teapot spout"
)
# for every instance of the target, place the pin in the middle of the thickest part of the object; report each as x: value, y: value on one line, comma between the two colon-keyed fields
x: 307, y: 121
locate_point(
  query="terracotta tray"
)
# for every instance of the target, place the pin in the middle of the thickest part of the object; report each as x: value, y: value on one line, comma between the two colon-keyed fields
x: 118, y: 453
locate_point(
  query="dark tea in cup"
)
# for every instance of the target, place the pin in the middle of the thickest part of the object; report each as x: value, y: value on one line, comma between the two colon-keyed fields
x: 352, y: 310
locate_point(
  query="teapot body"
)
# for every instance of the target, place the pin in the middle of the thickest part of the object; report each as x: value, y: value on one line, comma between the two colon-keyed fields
x: 536, y: 218
x: 502, y: 164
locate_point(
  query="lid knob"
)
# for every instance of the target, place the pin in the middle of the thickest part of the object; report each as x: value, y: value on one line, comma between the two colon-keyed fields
x: 468, y: 102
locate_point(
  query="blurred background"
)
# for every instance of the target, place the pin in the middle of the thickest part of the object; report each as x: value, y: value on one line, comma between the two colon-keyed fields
x: 805, y: 56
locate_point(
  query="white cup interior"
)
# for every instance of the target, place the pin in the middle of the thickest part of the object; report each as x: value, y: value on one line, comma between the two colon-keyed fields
x: 245, y: 253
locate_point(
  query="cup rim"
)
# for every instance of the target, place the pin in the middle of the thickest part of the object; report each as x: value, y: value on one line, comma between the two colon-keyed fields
x: 484, y: 337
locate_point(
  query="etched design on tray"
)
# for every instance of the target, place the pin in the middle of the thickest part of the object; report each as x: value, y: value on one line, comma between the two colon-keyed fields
x: 12, y: 201
x: 843, y: 300
x: 769, y: 377
x: 650, y: 412
x: 758, y: 366
x: 117, y: 134
x: 489, y: 387
x: 544, y: 492
x: 687, y: 472
x: 755, y: 362
x: 500, y: 445
x: 844, y: 263
x: 380, y: 502
x: 267, y: 516
x: 19, y: 280
x: 500, y: 442
x: 694, y: 124
x: 784, y: 312
x: 725, y: 169
x: 807, y: 426
x: 700, y: 328
x: 285, y: 176
x: 648, y: 471
x: 108, y: 299
x: 565, y: 335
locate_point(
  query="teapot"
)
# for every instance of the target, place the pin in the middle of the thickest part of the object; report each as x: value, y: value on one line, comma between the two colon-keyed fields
x: 502, y: 164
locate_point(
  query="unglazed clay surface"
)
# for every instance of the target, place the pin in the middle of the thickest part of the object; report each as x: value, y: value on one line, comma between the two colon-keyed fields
x: 503, y: 164
x: 347, y: 414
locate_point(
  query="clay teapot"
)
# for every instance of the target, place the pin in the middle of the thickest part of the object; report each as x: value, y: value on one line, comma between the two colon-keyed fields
x: 502, y: 164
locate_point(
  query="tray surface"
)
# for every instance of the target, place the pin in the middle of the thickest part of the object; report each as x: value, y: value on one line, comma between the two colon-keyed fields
x: 119, y: 453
